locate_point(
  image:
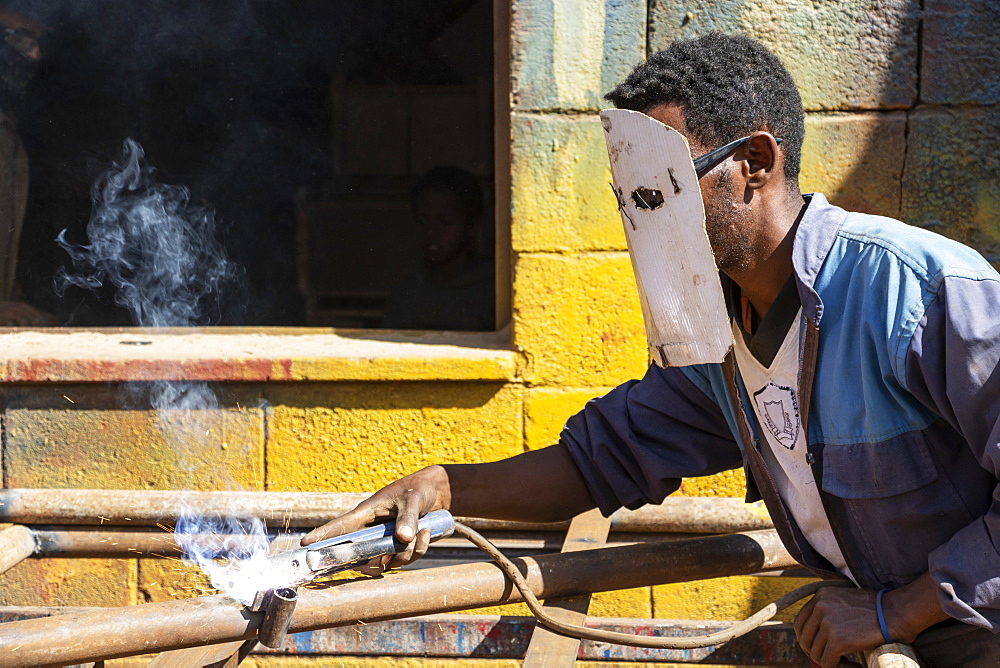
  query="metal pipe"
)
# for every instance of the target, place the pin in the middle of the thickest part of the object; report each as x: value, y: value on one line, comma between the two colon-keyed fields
x: 278, y: 608
x: 153, y: 507
x: 893, y: 655
x: 17, y: 543
x: 156, y: 627
x: 104, y: 542
x: 81, y: 542
x: 84, y: 542
x: 311, y: 509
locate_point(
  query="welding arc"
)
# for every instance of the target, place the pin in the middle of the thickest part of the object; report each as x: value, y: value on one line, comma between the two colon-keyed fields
x: 584, y: 633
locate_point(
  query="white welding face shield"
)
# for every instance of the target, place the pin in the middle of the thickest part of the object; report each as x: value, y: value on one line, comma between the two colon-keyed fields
x: 664, y: 218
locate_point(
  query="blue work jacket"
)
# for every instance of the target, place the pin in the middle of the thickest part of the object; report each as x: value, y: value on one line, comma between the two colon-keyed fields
x: 900, y: 397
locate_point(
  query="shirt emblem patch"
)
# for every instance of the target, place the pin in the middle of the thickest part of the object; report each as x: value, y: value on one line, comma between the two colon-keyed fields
x: 778, y: 409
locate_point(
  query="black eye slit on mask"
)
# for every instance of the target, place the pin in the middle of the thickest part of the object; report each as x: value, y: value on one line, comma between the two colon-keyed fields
x: 645, y: 198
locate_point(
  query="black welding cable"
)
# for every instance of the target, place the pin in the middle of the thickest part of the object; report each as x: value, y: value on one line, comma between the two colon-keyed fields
x: 656, y: 642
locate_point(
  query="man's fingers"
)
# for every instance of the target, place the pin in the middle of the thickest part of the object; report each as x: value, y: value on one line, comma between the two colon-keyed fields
x: 415, y: 550
x: 806, y: 626
x: 400, y: 559
x: 346, y: 523
x: 331, y: 528
x: 421, y: 544
x: 407, y: 516
x: 375, y: 567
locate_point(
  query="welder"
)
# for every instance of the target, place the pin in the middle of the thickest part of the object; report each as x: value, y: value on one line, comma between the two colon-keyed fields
x: 860, y: 394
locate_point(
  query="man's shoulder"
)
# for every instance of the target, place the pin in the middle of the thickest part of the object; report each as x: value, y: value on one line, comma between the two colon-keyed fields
x: 879, y: 240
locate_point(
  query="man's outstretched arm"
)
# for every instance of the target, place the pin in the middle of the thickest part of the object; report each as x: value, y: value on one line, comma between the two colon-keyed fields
x: 538, y: 486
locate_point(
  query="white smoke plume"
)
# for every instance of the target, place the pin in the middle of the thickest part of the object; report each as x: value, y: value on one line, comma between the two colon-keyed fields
x: 161, y: 252
x: 156, y: 246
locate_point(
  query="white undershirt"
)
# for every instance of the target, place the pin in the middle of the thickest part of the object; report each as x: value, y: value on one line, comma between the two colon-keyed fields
x: 774, y: 395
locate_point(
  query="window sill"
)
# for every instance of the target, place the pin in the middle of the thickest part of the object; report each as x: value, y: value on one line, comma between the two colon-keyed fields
x: 252, y: 354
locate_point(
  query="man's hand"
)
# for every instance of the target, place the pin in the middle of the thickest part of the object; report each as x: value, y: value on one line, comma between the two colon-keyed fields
x: 536, y: 486
x: 407, y: 500
x: 837, y: 622
x: 20, y: 314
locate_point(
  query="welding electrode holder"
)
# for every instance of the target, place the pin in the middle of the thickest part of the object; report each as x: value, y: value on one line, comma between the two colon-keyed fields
x: 366, y: 544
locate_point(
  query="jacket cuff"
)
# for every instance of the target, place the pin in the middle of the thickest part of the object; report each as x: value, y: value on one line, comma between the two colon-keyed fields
x: 966, y: 571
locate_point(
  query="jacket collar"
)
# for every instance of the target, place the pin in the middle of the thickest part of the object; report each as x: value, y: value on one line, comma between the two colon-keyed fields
x: 814, y: 238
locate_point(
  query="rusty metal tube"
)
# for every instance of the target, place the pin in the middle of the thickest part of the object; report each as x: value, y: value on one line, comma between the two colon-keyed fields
x: 17, y: 543
x: 80, y: 542
x: 156, y: 627
x: 893, y: 655
x: 153, y: 507
x: 278, y: 609
x: 104, y: 542
x: 85, y: 542
x: 310, y: 509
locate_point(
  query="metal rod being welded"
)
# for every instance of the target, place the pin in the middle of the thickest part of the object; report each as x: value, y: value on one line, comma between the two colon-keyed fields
x: 111, y: 542
x: 278, y: 608
x: 17, y: 543
x: 311, y: 509
x: 156, y: 627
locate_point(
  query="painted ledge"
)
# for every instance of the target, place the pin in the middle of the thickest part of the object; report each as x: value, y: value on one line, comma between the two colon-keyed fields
x: 258, y: 354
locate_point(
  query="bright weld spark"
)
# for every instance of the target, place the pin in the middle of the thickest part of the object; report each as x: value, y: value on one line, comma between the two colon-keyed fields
x: 68, y: 399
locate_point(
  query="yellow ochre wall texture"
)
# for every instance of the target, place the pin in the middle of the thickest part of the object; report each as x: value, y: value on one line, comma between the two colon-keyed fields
x: 902, y: 120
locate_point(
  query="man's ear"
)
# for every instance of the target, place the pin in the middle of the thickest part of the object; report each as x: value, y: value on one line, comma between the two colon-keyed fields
x: 761, y: 160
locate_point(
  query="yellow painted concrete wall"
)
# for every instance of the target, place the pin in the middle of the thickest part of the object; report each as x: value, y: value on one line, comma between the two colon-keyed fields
x: 902, y: 120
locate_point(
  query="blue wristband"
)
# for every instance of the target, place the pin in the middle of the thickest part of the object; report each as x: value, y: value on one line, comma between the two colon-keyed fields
x: 881, y: 616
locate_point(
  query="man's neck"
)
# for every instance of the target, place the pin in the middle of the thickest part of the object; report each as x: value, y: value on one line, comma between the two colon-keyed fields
x: 763, y: 280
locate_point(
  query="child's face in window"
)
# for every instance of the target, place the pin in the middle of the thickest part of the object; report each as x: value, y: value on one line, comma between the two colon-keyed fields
x: 445, y: 230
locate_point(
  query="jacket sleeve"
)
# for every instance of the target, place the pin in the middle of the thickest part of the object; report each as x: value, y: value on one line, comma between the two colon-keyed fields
x: 952, y: 367
x: 635, y: 443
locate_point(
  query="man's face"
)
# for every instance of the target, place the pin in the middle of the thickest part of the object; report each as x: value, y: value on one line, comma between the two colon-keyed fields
x: 727, y: 213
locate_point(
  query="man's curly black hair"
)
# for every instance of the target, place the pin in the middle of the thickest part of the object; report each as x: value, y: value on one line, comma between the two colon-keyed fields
x: 727, y: 86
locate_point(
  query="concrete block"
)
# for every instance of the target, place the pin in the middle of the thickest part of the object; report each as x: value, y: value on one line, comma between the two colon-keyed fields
x: 70, y: 582
x: 856, y: 160
x: 848, y: 54
x: 629, y: 603
x: 81, y: 436
x: 960, y: 42
x: 546, y: 411
x: 577, y: 319
x: 951, y: 182
x: 560, y: 194
x: 725, y: 599
x: 632, y: 603
x: 358, y: 437
x: 171, y: 579
x: 728, y: 483
x: 567, y: 54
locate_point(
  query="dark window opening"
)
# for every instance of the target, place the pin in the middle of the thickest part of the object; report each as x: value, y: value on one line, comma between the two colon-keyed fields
x: 311, y: 127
